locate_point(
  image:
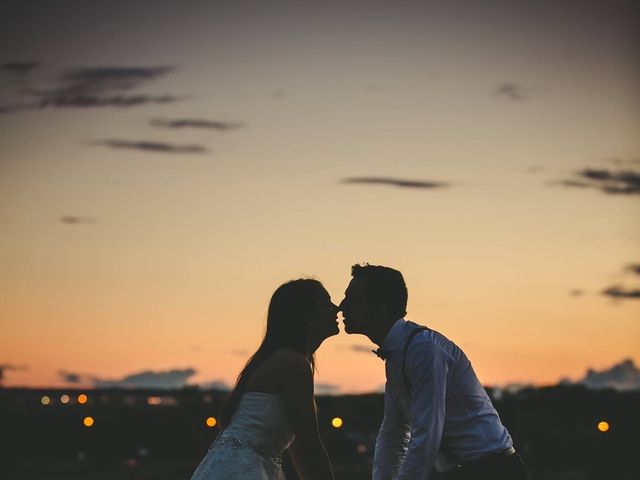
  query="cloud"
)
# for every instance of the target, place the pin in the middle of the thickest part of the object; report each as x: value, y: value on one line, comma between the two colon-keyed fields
x: 197, y: 123
x: 92, y: 101
x: 326, y: 389
x: 150, y: 379
x: 77, y: 220
x: 159, y: 147
x: 620, y: 182
x: 617, y: 292
x: 6, y: 367
x: 111, y: 78
x: 395, y: 182
x: 215, y: 385
x: 176, y: 378
x: 90, y: 88
x: 512, y: 91
x: 573, y: 183
x: 11, y: 366
x: 622, y: 376
x: 633, y: 268
x: 70, y: 377
x: 19, y: 68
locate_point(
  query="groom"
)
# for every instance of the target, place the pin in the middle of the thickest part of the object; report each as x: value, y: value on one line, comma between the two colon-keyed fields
x: 435, y: 409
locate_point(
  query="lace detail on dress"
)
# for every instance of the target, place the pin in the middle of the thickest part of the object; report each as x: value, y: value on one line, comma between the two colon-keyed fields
x: 251, y: 447
x: 234, y: 442
x: 230, y: 458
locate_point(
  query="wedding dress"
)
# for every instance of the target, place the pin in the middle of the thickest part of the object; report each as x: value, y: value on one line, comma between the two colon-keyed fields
x: 251, y: 447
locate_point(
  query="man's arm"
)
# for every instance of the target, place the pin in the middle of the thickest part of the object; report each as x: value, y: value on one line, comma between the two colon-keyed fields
x: 427, y: 372
x: 392, y: 441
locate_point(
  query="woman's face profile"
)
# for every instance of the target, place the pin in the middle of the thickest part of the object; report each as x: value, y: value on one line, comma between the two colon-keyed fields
x: 324, y: 322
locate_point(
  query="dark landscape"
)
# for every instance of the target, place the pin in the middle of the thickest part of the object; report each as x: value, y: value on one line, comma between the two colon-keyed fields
x: 161, y: 434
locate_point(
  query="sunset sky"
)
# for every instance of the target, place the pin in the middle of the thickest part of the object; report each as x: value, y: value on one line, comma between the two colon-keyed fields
x: 165, y: 165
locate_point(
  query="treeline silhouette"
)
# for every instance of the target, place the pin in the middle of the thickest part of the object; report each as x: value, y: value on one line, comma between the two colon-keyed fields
x: 163, y: 434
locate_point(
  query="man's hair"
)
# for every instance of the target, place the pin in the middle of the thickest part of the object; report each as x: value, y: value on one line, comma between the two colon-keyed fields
x: 384, y: 285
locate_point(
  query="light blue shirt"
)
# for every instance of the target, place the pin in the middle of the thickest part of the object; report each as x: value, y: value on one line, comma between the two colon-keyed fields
x: 448, y: 413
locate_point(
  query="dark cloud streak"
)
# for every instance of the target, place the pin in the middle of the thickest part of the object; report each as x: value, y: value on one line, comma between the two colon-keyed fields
x: 89, y: 88
x: 77, y: 220
x: 395, y: 182
x: 19, y: 68
x: 512, y: 91
x: 621, y: 182
x: 157, y: 147
x: 93, y: 101
x: 617, y: 292
x: 197, y: 123
x: 633, y: 268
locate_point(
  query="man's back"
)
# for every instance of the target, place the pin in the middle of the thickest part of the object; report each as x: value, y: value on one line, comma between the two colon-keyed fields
x: 446, y: 410
x: 472, y: 427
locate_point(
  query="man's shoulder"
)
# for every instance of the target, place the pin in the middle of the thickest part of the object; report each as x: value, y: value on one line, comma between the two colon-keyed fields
x: 431, y: 342
x: 426, y: 334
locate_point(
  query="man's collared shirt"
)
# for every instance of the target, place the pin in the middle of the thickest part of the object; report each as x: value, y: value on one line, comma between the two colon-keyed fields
x: 447, y: 414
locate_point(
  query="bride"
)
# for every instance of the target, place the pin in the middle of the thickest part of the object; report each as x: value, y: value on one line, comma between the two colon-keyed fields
x: 272, y: 408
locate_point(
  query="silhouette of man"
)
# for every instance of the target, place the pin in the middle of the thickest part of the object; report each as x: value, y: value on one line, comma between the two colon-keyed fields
x: 435, y: 409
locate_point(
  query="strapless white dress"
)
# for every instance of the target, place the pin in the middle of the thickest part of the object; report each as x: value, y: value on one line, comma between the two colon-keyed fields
x: 251, y: 447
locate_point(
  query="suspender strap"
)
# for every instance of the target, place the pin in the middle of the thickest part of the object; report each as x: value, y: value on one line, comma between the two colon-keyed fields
x: 414, y: 332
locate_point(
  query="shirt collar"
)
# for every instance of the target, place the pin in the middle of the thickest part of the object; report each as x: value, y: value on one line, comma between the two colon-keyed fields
x: 394, y: 337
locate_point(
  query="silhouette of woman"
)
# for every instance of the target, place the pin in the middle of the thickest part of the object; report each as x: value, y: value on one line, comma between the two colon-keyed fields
x: 271, y: 408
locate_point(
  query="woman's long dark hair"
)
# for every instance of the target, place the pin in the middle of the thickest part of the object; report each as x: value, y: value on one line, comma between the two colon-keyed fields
x: 290, y: 304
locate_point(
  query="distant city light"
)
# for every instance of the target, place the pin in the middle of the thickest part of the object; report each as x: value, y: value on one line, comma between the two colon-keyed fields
x: 154, y: 400
x: 211, y: 422
x: 603, y: 426
x: 65, y: 399
x: 336, y: 422
x: 82, y: 399
x: 88, y: 421
x: 45, y: 400
x: 362, y: 448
